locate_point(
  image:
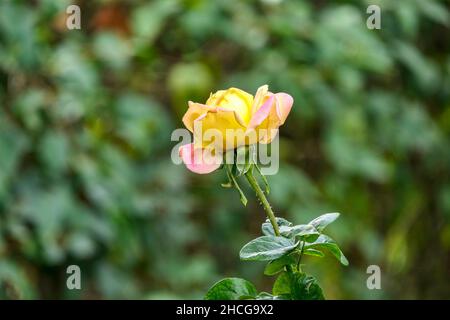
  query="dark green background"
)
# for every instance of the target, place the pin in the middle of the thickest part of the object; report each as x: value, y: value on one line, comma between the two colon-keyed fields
x: 85, y: 123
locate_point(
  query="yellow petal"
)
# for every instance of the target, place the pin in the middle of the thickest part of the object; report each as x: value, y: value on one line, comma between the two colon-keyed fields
x: 233, y: 99
x: 195, y: 111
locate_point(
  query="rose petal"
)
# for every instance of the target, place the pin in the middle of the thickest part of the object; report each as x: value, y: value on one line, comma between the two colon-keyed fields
x: 259, y: 97
x: 199, y: 160
x: 236, y: 115
x: 262, y: 113
x: 194, y: 111
x: 283, y: 105
x: 271, y: 115
x: 221, y: 128
x: 233, y: 99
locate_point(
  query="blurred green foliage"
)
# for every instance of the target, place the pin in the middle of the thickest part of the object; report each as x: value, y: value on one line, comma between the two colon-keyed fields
x: 85, y: 123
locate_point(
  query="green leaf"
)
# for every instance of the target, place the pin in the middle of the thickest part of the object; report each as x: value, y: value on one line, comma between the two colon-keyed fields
x: 231, y: 289
x: 326, y: 242
x: 268, y: 296
x: 229, y: 183
x: 243, y: 162
x: 267, y: 248
x: 252, y: 154
x: 297, y: 286
x: 322, y: 221
x: 306, y: 288
x: 264, y: 179
x: 236, y: 185
x: 267, y: 228
x: 314, y: 253
x: 301, y: 230
x: 282, y: 285
x: 226, y: 185
x: 277, y: 265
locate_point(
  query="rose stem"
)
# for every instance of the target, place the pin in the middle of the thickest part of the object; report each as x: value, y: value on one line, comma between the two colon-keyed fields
x: 251, y: 179
x: 254, y: 184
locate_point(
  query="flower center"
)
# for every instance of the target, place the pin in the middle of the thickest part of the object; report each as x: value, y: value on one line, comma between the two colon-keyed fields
x: 233, y: 99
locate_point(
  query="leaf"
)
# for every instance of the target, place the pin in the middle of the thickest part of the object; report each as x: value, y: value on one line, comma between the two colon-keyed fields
x: 226, y: 185
x: 297, y: 286
x: 322, y: 221
x: 300, y: 230
x: 267, y: 248
x: 232, y: 178
x: 326, y: 242
x: 268, y: 296
x: 267, y: 228
x: 314, y: 253
x: 252, y: 154
x: 231, y: 289
x: 229, y: 183
x: 277, y: 265
x: 282, y: 285
x: 243, y: 162
x: 306, y: 288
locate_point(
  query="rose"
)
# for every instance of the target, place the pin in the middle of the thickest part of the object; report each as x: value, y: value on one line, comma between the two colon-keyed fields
x: 229, y: 119
x: 254, y: 120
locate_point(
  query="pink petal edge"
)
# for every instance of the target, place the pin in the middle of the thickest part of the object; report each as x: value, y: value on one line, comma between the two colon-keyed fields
x: 283, y: 105
x: 195, y: 162
x: 261, y: 114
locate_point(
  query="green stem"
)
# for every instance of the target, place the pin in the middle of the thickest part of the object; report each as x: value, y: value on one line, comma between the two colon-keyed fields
x: 300, y: 257
x: 267, y: 208
x: 254, y: 184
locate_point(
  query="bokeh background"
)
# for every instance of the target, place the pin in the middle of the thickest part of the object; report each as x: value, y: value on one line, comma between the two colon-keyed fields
x: 85, y: 123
